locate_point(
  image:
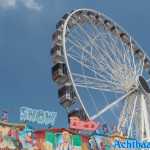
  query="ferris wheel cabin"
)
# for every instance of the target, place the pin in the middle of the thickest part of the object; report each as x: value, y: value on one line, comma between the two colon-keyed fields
x: 67, y: 95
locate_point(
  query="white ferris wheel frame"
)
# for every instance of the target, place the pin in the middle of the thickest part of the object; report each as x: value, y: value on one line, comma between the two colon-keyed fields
x: 71, y: 76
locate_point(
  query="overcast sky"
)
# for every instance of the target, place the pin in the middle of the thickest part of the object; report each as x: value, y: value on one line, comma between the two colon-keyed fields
x: 26, y: 27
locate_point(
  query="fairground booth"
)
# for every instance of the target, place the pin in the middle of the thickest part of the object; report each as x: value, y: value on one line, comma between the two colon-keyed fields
x: 21, y: 137
x: 9, y: 137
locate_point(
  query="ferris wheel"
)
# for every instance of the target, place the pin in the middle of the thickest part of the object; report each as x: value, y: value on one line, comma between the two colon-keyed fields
x: 101, y: 72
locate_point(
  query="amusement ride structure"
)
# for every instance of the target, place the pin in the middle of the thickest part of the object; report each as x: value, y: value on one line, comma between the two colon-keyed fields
x: 101, y: 72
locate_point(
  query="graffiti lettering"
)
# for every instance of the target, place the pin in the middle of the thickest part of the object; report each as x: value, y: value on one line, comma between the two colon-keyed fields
x: 37, y: 116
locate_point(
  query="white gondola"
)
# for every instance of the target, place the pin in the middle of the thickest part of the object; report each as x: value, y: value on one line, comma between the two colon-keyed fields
x: 135, y: 48
x: 67, y: 95
x: 71, y: 23
x: 59, y: 73
x: 65, y: 16
x: 146, y: 63
x: 60, y: 24
x: 81, y: 19
x: 99, y: 20
x: 108, y: 24
x: 140, y: 54
x: 57, y: 37
x: 78, y: 18
x: 125, y: 38
x: 77, y: 113
x: 57, y: 54
x: 116, y: 31
x: 93, y: 17
x: 91, y: 14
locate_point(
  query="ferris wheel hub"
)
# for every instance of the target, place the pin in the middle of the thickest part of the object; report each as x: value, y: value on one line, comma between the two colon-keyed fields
x: 144, y: 85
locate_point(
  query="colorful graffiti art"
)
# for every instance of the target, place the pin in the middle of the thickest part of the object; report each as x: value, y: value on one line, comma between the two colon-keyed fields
x: 21, y: 137
x: 9, y: 138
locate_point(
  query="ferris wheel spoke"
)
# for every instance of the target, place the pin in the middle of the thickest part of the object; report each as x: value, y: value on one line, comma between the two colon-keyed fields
x: 91, y: 60
x: 83, y: 31
x: 112, y: 105
x: 88, y: 80
x: 87, y: 66
x: 102, y: 35
x: 141, y: 72
x: 102, y: 65
x: 108, y: 53
x: 132, y: 116
x: 122, y: 117
x: 93, y: 83
x: 113, y: 112
x: 114, y: 47
x: 126, y: 54
x: 107, y: 56
x: 144, y: 112
x: 89, y: 38
x: 140, y: 66
x: 148, y: 104
x: 116, y: 59
x: 102, y: 73
x: 128, y: 58
x: 79, y: 46
x: 111, y: 45
x: 85, y: 44
x: 103, y: 87
x: 92, y: 69
x: 80, y: 77
x: 95, y: 57
x: 128, y: 115
x: 91, y: 23
x: 132, y: 54
x: 98, y: 57
x: 76, y: 36
x: 110, y: 48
